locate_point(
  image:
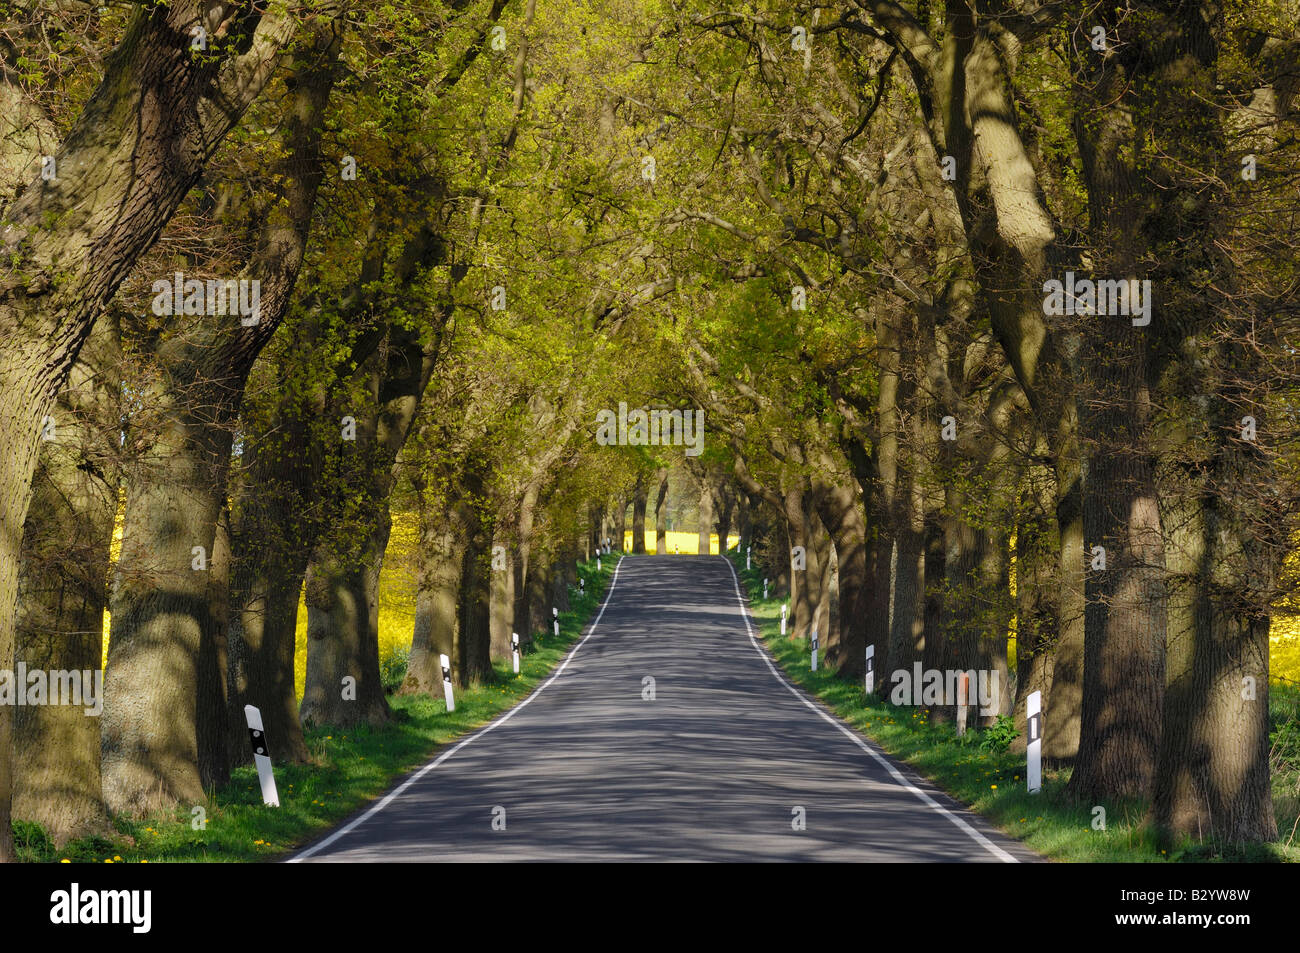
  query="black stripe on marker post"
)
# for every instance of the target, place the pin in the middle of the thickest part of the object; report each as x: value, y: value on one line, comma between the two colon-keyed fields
x: 258, y: 740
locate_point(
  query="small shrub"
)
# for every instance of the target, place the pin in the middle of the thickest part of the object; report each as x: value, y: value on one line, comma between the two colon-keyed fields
x: 998, y: 736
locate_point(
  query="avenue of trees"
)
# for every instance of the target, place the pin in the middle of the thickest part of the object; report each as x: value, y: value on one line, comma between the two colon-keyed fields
x: 990, y: 310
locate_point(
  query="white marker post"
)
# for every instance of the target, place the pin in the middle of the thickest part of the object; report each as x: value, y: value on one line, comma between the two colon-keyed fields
x: 597, y: 564
x: 747, y: 557
x: 871, y: 669
x: 1034, y: 749
x: 446, y: 682
x: 764, y: 587
x: 555, y: 619
x: 784, y: 606
x: 814, y: 647
x: 514, y: 649
x: 963, y: 693
x: 261, y: 756
x: 582, y: 584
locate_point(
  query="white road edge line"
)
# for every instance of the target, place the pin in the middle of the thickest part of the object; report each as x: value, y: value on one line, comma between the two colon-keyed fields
x: 857, y: 739
x: 380, y: 805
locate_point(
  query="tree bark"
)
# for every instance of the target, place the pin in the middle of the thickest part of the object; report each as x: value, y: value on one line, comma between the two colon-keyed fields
x: 442, y: 559
x: 705, y: 524
x: 64, y: 591
x: 661, y: 515
x: 842, y: 516
x: 640, y: 497
x: 501, y: 598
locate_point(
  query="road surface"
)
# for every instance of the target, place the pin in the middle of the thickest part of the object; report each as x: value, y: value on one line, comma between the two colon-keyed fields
x: 721, y: 765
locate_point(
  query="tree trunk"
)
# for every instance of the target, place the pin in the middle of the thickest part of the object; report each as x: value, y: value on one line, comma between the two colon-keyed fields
x: 163, y: 619
x: 639, y: 499
x: 746, y: 523
x: 342, y: 593
x: 620, y: 526
x: 502, y: 591
x: 473, y: 609
x: 661, y: 515
x: 907, y: 620
x: 442, y: 560
x: 727, y: 502
x: 1124, y: 647
x: 842, y: 517
x: 524, y: 566
x: 705, y: 524
x: 274, y: 530
x: 1037, y: 595
x: 64, y: 591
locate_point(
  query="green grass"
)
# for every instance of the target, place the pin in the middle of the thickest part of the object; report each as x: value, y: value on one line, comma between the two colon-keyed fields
x: 993, y: 783
x: 350, y: 768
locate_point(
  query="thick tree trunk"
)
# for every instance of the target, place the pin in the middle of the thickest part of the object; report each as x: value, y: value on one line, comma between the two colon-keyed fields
x: 342, y: 594
x: 726, y: 503
x: 620, y: 526
x: 441, y: 562
x: 825, y: 621
x: 1037, y: 595
x: 163, y: 619
x: 262, y: 646
x: 212, y: 719
x: 538, y: 585
x: 63, y: 593
x: 1125, y: 617
x: 561, y: 577
x: 1212, y: 778
x: 935, y: 639
x: 524, y: 562
x: 953, y: 644
x: 473, y: 609
x: 907, y: 619
x: 274, y: 530
x: 886, y: 487
x: 802, y: 608
x: 1124, y: 647
x: 501, y: 598
x: 745, y: 522
x: 842, y: 516
x: 1062, y: 721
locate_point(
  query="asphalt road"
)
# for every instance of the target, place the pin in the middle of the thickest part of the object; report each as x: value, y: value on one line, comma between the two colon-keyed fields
x: 713, y: 768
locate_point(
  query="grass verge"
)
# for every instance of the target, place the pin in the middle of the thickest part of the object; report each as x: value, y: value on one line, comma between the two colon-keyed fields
x: 992, y: 782
x: 349, y: 768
